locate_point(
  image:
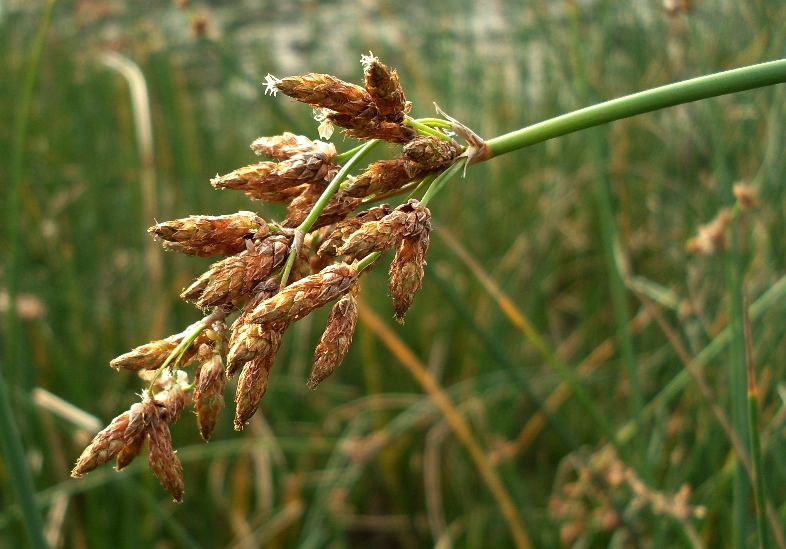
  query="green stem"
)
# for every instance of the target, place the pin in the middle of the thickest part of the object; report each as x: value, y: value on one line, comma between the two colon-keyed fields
x: 343, y: 157
x: 737, y: 80
x: 316, y: 211
x: 189, y: 336
x: 754, y: 429
x: 368, y: 260
x: 423, y: 128
x: 320, y: 205
x: 737, y: 389
x: 441, y: 179
x: 425, y: 182
x: 18, y: 472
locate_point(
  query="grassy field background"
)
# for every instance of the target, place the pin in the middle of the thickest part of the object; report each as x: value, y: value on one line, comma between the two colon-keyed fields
x: 563, y: 265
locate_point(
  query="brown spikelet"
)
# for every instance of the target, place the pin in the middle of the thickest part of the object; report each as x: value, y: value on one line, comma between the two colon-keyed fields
x: 176, y: 401
x: 385, y: 89
x: 251, y: 387
x: 230, y: 280
x: 162, y: 458
x: 300, y: 207
x: 148, y: 356
x: 382, y: 176
x: 131, y: 449
x: 265, y: 178
x: 140, y: 416
x: 306, y: 295
x: 431, y: 154
x: 284, y: 196
x: 329, y: 92
x: 104, y: 447
x: 335, y: 341
x: 302, y: 266
x: 209, y: 394
x: 406, y: 220
x: 345, y: 228
x: 247, y: 179
x: 250, y: 341
x: 151, y: 356
x: 205, y: 235
x: 253, y: 380
x: 287, y: 145
x: 377, y: 127
x: 308, y: 167
x: 406, y: 272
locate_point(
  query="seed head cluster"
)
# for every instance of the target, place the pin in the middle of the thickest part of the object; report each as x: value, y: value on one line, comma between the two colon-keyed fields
x: 268, y: 275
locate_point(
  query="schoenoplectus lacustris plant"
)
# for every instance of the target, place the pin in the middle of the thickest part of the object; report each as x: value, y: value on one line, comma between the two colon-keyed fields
x: 340, y: 221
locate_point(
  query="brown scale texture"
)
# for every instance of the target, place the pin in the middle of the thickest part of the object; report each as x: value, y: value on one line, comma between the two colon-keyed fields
x: 381, y: 177
x: 335, y: 341
x: 232, y: 279
x: 284, y: 196
x: 148, y: 356
x: 431, y: 154
x: 306, y: 295
x: 406, y: 272
x: 287, y: 145
x: 104, y: 447
x: 405, y: 221
x: 162, y: 459
x: 385, y: 89
x: 251, y: 341
x: 345, y: 228
x: 378, y: 127
x: 132, y: 448
x: 272, y: 177
x: 151, y: 356
x: 140, y: 416
x: 302, y: 266
x: 204, y: 235
x: 176, y: 401
x: 209, y: 394
x: 329, y: 92
x: 253, y: 379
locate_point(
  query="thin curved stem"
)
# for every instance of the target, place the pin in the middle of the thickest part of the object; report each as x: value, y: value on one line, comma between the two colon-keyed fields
x: 320, y: 205
x: 189, y: 336
x: 722, y: 83
x: 423, y: 128
x: 334, y: 185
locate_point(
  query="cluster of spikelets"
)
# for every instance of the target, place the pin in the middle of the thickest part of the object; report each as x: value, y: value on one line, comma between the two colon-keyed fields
x: 274, y: 274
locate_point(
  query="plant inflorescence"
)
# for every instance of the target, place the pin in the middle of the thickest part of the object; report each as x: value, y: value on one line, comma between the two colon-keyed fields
x: 276, y: 273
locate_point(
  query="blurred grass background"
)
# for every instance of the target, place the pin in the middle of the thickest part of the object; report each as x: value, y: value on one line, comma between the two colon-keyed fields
x: 569, y: 256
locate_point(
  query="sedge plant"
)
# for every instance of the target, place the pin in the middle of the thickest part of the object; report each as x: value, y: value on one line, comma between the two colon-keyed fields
x: 339, y: 224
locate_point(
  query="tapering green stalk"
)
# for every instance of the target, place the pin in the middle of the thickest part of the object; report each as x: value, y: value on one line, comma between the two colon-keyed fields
x: 754, y: 429
x: 18, y: 472
x: 722, y: 83
x: 441, y: 179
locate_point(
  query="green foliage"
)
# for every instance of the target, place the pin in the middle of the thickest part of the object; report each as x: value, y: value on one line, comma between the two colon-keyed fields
x: 368, y: 459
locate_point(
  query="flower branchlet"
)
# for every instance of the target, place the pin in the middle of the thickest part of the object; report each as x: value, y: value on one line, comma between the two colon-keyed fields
x: 274, y: 274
